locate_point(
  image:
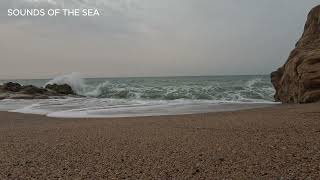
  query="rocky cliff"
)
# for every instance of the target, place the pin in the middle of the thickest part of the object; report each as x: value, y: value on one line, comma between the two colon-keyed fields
x: 298, y: 81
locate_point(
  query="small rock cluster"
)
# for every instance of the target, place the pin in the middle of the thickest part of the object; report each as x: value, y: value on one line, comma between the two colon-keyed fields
x: 12, y: 90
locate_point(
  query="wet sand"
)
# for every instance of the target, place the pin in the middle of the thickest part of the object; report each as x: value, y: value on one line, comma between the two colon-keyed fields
x: 267, y: 143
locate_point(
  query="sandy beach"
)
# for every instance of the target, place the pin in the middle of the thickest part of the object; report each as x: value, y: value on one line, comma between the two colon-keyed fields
x: 267, y: 143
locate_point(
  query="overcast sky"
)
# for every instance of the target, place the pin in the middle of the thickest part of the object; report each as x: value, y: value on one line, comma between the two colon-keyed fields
x: 151, y: 37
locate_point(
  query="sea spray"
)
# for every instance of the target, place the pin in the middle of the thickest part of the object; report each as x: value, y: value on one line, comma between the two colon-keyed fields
x: 228, y: 89
x: 122, y: 97
x: 74, y: 80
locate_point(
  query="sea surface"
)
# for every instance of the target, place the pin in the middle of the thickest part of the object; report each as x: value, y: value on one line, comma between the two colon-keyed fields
x: 147, y: 96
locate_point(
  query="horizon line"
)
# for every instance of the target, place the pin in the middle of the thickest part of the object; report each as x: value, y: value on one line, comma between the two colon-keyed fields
x: 160, y: 76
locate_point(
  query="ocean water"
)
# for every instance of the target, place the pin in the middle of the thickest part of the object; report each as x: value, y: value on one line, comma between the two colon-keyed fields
x: 148, y: 96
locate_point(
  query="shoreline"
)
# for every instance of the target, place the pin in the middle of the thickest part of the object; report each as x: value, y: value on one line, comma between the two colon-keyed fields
x: 274, y: 142
x: 263, y: 106
x: 169, y: 109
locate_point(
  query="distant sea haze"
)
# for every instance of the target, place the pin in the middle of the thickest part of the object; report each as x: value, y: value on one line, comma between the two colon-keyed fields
x: 118, y: 97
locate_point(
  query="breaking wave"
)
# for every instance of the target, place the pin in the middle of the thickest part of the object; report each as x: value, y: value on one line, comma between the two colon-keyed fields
x: 74, y: 80
x: 234, y: 89
x: 128, y: 97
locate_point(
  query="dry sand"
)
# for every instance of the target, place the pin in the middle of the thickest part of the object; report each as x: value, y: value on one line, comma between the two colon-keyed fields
x: 281, y: 142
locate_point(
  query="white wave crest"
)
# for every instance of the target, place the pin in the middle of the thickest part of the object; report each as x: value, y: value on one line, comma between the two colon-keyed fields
x: 98, y: 90
x: 74, y: 80
x: 251, y: 90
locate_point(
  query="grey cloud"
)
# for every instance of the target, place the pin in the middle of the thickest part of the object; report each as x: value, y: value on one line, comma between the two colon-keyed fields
x: 115, y: 16
x: 152, y: 37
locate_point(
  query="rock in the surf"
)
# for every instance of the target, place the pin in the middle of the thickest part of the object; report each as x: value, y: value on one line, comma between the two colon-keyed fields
x: 12, y: 90
x: 30, y: 89
x: 298, y: 81
x: 10, y: 86
x: 61, y: 89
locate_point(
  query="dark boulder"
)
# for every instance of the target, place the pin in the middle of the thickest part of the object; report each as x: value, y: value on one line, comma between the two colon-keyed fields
x: 30, y: 89
x: 12, y: 87
x: 64, y: 89
x: 16, y: 91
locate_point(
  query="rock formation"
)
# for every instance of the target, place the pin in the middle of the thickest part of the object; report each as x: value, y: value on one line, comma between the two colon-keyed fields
x: 61, y: 89
x: 298, y: 81
x: 16, y: 91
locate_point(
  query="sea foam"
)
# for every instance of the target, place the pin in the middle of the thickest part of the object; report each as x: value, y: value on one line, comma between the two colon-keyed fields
x: 122, y: 97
